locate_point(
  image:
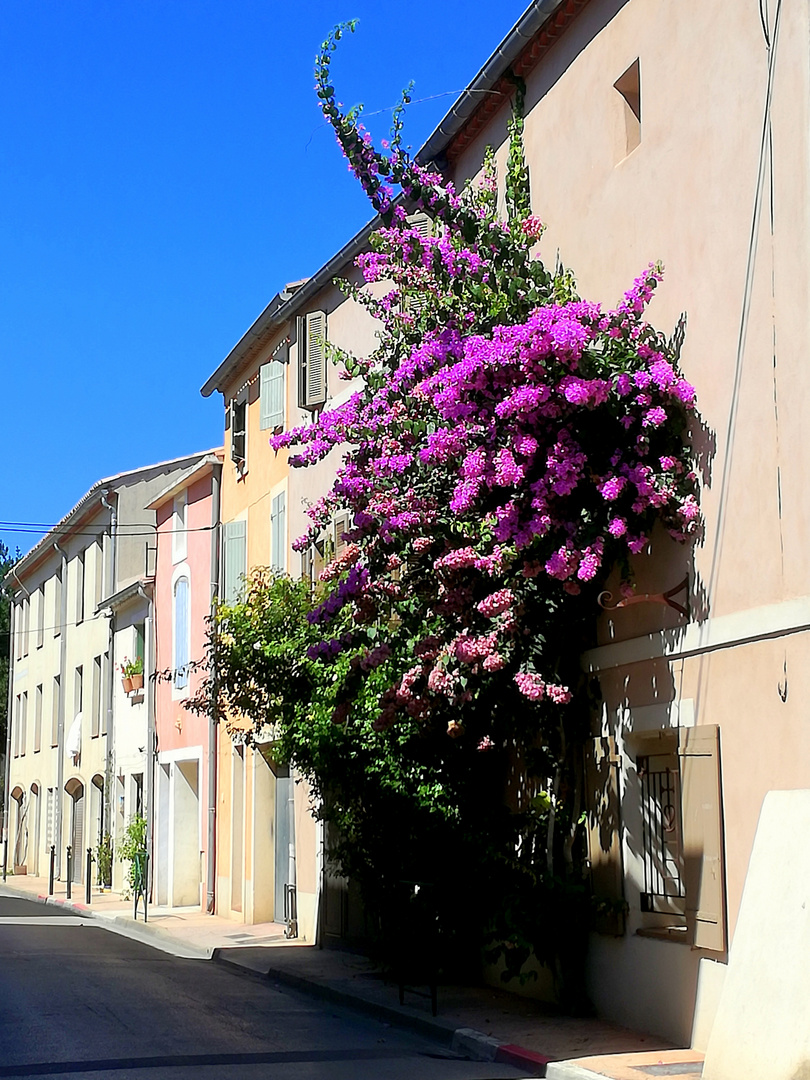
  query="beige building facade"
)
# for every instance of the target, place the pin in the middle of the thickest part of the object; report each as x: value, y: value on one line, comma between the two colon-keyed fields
x: 679, y: 132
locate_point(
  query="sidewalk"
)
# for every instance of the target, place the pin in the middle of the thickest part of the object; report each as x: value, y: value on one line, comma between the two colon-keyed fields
x: 480, y: 1022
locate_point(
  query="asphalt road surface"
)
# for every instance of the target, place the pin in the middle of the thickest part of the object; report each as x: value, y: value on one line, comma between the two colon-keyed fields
x: 77, y: 1000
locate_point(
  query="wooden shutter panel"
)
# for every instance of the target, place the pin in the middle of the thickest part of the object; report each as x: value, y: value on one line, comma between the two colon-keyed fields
x: 704, y: 872
x: 265, y: 381
x: 604, y: 831
x: 315, y: 370
x: 276, y: 394
x: 421, y: 224
x: 235, y: 560
x: 271, y: 395
x: 278, y: 532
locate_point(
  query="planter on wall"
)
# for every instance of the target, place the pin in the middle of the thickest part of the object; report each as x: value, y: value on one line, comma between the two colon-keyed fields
x: 126, y: 682
x: 137, y: 682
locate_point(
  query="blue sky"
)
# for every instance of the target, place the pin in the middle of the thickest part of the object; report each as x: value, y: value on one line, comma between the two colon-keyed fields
x: 164, y: 170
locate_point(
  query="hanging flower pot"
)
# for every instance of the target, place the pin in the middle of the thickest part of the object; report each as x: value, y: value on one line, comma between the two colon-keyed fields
x: 126, y: 682
x: 137, y: 681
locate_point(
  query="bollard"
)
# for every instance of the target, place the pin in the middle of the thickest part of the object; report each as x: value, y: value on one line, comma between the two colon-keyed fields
x: 88, y: 876
x: 50, y: 871
x: 5, y: 858
x: 69, y: 882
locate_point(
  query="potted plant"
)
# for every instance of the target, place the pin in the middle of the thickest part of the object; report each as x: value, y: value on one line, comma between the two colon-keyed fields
x: 132, y: 674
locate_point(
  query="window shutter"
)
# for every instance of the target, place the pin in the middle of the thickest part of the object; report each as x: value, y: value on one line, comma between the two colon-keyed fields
x: 315, y: 370
x: 342, y: 525
x: 276, y: 394
x: 181, y: 627
x: 604, y: 831
x: 278, y: 532
x: 235, y: 561
x: 271, y: 395
x: 421, y: 224
x: 704, y: 873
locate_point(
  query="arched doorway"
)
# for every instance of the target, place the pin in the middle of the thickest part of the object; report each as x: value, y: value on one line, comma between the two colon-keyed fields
x: 75, y: 789
x: 20, y: 833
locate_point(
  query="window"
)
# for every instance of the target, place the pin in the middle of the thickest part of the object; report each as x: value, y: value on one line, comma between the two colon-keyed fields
x: 95, y: 719
x: 26, y: 627
x: 78, y: 690
x: 179, y: 527
x: 234, y: 539
x: 23, y: 722
x: 57, y: 692
x: 137, y: 794
x: 312, y: 360
x: 98, y: 571
x: 272, y: 393
x: 38, y: 719
x: 680, y: 831
x: 239, y: 432
x: 80, y: 587
x: 40, y: 616
x: 104, y: 703
x: 278, y: 532
x: 16, y: 733
x: 662, y: 843
x: 628, y: 86
x: 19, y: 623
x: 181, y: 633
x: 140, y: 643
x: 57, y: 603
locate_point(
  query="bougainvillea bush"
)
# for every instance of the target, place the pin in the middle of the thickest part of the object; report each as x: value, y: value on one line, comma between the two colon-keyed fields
x: 510, y: 444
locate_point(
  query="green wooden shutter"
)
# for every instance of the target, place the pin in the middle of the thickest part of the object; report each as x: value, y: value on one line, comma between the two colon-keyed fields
x: 271, y: 395
x: 278, y: 532
x: 235, y: 559
x: 315, y: 368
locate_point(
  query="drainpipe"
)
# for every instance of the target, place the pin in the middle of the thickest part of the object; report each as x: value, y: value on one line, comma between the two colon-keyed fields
x: 149, y: 690
x: 109, y: 684
x: 211, y: 843
x: 6, y: 789
x: 60, y: 728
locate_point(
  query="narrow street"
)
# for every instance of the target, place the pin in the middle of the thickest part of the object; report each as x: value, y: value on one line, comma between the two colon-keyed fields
x: 77, y: 1000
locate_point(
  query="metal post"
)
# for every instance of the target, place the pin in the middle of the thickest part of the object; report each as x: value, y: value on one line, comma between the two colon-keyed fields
x: 146, y: 887
x: 50, y: 871
x: 5, y: 858
x: 88, y: 877
x: 69, y: 871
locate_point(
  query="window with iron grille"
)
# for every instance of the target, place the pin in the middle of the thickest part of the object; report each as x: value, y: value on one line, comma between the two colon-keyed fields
x: 662, y: 841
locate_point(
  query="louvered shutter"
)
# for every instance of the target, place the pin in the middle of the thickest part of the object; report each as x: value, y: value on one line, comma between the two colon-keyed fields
x: 235, y: 559
x: 315, y: 367
x: 704, y: 875
x: 342, y: 525
x: 181, y: 629
x: 271, y: 395
x: 422, y: 224
x: 278, y: 532
x: 604, y: 832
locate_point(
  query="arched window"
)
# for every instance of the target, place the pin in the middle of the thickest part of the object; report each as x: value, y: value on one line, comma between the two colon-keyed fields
x: 181, y: 632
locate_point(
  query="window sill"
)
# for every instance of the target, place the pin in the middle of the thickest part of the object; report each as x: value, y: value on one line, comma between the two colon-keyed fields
x: 664, y: 933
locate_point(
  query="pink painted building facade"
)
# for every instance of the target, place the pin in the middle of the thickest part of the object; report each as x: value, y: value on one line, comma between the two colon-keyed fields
x: 187, y: 516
